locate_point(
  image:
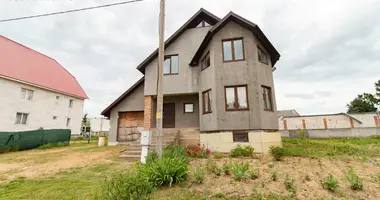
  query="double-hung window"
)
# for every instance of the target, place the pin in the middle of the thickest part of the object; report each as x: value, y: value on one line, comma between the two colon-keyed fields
x: 236, y: 98
x: 233, y: 50
x: 171, y: 65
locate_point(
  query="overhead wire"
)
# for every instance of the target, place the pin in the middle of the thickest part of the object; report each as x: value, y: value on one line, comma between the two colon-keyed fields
x: 70, y: 11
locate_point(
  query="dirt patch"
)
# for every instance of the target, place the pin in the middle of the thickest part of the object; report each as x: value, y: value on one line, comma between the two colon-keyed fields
x: 307, y: 174
x: 64, y: 159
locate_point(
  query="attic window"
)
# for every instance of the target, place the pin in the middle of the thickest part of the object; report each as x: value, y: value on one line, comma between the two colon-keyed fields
x: 203, y: 24
x: 263, y: 57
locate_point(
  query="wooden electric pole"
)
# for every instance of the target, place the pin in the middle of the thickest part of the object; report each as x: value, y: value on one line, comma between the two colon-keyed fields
x: 160, y: 96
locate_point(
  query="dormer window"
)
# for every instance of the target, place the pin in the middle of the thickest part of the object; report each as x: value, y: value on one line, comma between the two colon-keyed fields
x: 171, y: 65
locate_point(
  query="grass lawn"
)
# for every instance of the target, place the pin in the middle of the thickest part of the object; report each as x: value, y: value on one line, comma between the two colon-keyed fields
x: 78, y: 171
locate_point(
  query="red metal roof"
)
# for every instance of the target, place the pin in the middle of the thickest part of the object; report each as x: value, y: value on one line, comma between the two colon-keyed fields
x: 27, y: 65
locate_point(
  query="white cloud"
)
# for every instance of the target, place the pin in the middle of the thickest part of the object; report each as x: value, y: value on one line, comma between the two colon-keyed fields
x: 329, y: 49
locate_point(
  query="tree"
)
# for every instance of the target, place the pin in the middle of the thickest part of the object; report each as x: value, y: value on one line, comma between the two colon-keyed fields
x: 86, y: 123
x: 377, y: 86
x: 363, y: 103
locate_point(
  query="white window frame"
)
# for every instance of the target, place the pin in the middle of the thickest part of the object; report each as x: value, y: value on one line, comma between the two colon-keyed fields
x: 27, y: 94
x: 23, y: 117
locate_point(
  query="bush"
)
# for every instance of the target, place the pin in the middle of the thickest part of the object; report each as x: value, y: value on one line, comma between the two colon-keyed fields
x: 289, y: 185
x: 199, y: 175
x: 355, y: 181
x: 274, y: 176
x: 226, y: 169
x: 53, y: 145
x: 212, y: 167
x: 330, y: 183
x: 199, y: 152
x: 240, y: 170
x: 151, y: 157
x: 240, y: 151
x: 126, y: 186
x: 165, y: 171
x: 277, y: 152
x: 254, y: 174
x: 218, y: 155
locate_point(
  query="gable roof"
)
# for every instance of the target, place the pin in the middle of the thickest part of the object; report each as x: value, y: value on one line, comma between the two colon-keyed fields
x: 20, y: 63
x: 231, y: 16
x: 201, y: 15
x: 287, y: 113
x: 106, y: 112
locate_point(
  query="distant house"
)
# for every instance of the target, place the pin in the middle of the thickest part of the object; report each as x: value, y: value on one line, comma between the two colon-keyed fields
x: 218, y: 87
x: 36, y: 91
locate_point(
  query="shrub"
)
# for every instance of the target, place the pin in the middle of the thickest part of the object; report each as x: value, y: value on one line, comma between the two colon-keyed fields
x: 212, y: 167
x: 199, y: 175
x: 226, y: 169
x: 199, y: 152
x: 175, y: 151
x: 240, y: 170
x: 274, y: 176
x: 330, y: 183
x: 355, y: 181
x: 289, y: 185
x: 254, y: 173
x: 165, y: 171
x: 277, y: 152
x: 218, y: 155
x: 126, y: 186
x: 53, y: 145
x: 240, y: 151
x: 151, y: 157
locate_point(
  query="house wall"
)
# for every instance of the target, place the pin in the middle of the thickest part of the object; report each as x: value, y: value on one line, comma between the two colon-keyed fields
x: 187, y: 79
x: 182, y: 120
x: 41, y: 108
x: 133, y: 102
x: 249, y: 72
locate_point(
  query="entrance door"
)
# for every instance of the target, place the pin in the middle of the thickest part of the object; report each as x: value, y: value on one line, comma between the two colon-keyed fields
x: 169, y: 115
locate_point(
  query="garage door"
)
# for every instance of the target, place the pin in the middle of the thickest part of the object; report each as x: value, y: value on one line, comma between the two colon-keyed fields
x: 130, y: 126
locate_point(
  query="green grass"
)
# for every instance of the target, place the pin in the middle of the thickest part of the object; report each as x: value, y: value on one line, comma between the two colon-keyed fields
x: 76, y: 183
x: 355, y: 147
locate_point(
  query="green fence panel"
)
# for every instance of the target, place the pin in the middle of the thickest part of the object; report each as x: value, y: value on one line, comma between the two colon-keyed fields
x: 32, y: 139
x: 56, y: 135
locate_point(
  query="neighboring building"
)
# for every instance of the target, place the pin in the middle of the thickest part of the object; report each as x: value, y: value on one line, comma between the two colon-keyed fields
x: 100, y: 125
x: 331, y: 125
x: 36, y: 91
x: 218, y: 87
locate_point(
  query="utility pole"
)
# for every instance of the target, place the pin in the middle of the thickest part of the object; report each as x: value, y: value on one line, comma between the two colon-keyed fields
x: 160, y: 96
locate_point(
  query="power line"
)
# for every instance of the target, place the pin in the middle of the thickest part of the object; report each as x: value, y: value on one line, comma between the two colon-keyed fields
x: 69, y: 11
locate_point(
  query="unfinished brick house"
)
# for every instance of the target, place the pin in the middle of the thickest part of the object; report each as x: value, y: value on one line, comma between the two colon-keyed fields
x: 218, y: 88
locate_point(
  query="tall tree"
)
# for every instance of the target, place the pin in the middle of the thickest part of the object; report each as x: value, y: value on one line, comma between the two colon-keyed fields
x: 86, y: 123
x: 363, y: 103
x: 377, y: 86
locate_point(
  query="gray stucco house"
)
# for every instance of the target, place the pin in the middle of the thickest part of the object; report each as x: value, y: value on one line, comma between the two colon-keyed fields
x: 218, y: 87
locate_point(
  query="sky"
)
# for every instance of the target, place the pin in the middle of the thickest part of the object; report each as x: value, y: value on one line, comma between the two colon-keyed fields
x: 330, y: 50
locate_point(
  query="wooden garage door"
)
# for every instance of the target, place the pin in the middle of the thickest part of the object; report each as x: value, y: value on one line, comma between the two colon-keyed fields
x: 130, y: 126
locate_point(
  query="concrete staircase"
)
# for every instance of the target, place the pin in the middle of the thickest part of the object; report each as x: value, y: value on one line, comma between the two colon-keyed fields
x: 133, y: 148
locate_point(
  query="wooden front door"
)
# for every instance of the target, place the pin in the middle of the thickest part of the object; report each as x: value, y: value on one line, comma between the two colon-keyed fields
x: 129, y: 126
x: 169, y: 115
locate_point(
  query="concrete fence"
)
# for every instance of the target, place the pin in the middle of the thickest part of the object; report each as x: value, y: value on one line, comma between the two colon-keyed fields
x: 333, y: 133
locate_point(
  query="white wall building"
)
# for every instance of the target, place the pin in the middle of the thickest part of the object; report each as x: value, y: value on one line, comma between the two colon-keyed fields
x: 36, y: 91
x: 100, y: 124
